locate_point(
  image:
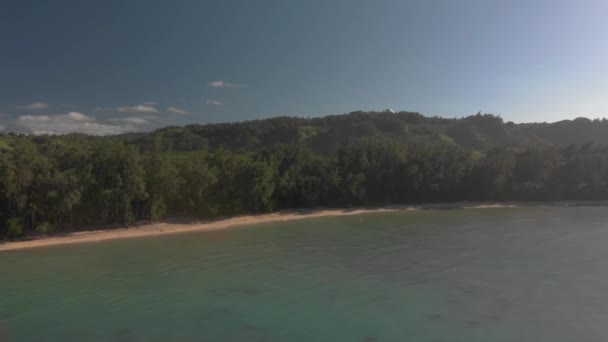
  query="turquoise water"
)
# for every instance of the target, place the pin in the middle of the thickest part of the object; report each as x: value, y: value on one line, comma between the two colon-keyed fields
x: 512, y: 274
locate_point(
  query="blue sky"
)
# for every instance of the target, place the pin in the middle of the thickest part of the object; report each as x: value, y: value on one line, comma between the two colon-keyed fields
x: 114, y: 66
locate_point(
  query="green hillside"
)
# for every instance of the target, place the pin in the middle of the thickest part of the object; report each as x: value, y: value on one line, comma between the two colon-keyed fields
x: 73, y: 181
x: 479, y: 132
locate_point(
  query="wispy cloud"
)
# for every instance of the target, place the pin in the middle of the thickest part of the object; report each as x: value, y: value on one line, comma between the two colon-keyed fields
x: 178, y: 111
x: 75, y: 122
x: 80, y: 117
x: 136, y: 120
x: 34, y: 106
x: 142, y: 108
x: 222, y: 84
x: 214, y: 103
x: 72, y: 122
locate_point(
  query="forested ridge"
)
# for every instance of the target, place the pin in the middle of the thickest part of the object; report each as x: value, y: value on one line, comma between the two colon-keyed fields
x: 322, y: 134
x: 68, y: 182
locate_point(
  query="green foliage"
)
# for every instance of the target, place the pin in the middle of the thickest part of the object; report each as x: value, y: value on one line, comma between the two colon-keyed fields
x: 4, y: 145
x: 162, y: 182
x: 446, y: 139
x: 14, y: 228
x: 118, y: 182
x: 52, y: 183
x: 196, y: 189
x: 45, y: 228
x: 305, y: 133
x: 324, y: 134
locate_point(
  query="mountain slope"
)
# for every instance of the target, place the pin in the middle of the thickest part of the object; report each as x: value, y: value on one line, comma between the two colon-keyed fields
x: 479, y: 132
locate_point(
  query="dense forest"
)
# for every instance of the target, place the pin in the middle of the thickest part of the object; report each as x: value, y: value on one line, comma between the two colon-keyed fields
x: 323, y: 134
x: 69, y: 182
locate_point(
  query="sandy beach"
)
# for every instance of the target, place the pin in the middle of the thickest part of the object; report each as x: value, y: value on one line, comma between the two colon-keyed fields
x: 164, y: 228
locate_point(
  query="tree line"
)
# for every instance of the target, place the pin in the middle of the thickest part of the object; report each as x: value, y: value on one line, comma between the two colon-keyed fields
x: 323, y: 134
x: 66, y: 183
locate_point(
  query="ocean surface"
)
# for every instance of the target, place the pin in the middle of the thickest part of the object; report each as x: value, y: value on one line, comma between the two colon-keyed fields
x: 503, y: 274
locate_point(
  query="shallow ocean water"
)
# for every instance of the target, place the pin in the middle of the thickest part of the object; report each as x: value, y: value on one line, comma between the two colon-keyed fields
x: 500, y: 274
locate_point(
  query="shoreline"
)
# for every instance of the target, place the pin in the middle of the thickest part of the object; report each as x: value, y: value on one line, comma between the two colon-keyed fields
x: 166, y: 228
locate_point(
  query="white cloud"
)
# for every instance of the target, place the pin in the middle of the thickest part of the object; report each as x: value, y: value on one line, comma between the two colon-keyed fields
x: 65, y: 123
x: 222, y: 84
x: 142, y: 108
x: 135, y: 120
x: 74, y: 122
x: 80, y: 117
x: 34, y: 118
x: 35, y: 105
x: 175, y: 110
x: 214, y: 103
